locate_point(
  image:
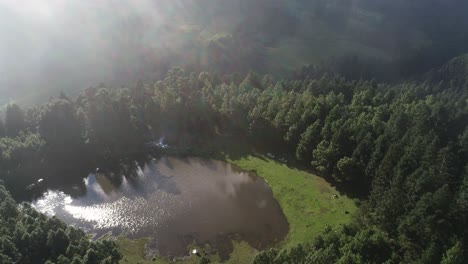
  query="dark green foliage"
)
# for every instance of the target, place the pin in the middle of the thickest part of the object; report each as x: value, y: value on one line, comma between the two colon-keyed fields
x: 2, y: 129
x: 20, y: 161
x: 204, y: 260
x: 349, y: 245
x: 454, y: 255
x: 27, y: 236
x: 403, y: 148
x: 61, y: 126
x: 14, y: 120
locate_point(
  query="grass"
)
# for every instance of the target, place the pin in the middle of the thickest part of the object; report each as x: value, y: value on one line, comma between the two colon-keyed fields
x: 243, y: 253
x: 307, y: 200
x: 134, y: 252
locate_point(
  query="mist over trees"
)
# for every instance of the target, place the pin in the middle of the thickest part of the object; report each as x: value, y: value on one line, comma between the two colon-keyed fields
x: 402, y: 147
x: 371, y: 95
x: 52, y: 46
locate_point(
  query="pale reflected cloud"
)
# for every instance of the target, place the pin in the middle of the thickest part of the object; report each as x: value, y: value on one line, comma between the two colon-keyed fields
x: 175, y: 201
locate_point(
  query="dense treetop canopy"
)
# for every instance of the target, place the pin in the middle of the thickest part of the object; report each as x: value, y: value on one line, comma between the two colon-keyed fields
x: 27, y: 236
x: 370, y: 94
x: 401, y: 147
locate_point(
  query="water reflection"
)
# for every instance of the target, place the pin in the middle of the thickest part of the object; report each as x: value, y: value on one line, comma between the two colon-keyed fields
x: 175, y: 201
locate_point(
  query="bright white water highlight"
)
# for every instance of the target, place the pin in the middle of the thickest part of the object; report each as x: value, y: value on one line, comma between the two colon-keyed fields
x: 176, y: 202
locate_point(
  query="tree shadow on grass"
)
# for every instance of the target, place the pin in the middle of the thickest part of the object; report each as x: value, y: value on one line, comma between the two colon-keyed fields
x: 236, y: 147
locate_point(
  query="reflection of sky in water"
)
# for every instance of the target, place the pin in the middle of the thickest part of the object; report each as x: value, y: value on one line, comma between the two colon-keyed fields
x: 125, y: 213
x: 171, y: 199
x: 124, y: 208
x: 51, y: 200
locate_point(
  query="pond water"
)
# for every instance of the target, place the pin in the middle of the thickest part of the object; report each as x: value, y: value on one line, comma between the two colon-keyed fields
x: 175, y: 202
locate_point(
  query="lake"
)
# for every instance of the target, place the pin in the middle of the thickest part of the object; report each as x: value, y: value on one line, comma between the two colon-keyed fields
x: 175, y: 202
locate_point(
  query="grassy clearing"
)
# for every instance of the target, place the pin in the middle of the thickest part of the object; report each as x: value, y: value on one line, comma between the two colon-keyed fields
x: 134, y: 252
x: 243, y: 253
x: 307, y: 200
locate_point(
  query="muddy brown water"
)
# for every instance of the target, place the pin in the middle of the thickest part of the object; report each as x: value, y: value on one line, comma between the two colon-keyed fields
x: 176, y: 202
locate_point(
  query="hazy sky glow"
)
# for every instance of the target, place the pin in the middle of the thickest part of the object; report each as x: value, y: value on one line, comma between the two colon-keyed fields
x: 48, y: 46
x: 70, y: 44
x: 34, y: 9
